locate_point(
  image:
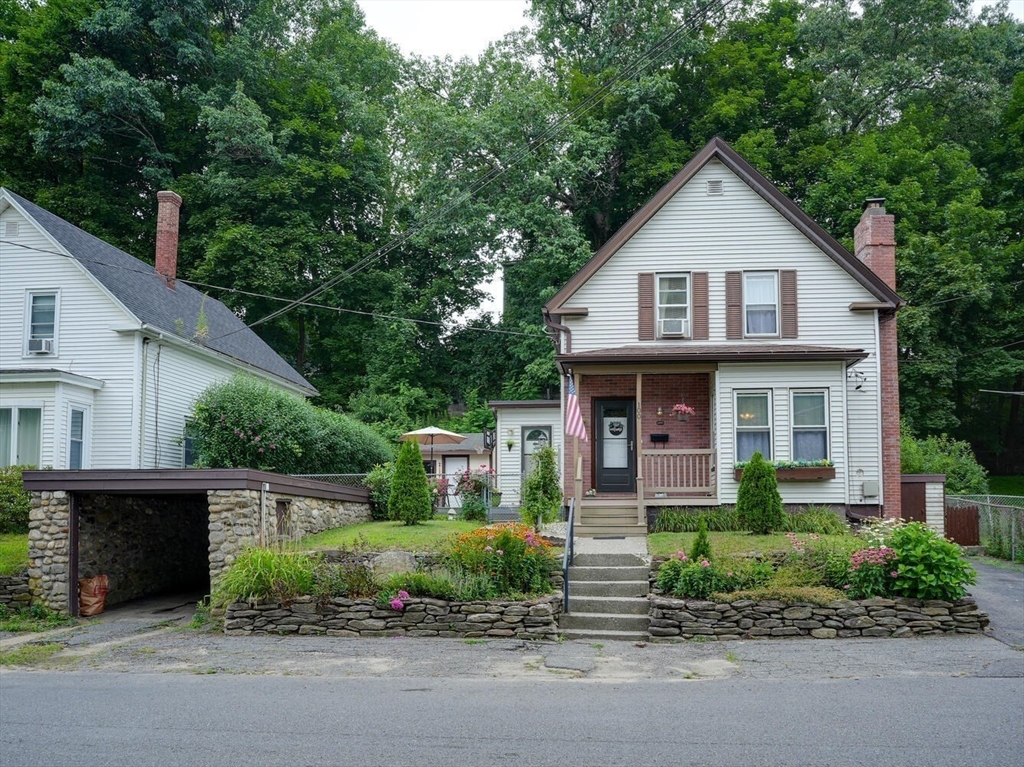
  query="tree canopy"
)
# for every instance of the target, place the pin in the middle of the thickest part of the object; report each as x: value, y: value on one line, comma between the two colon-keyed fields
x: 313, y: 157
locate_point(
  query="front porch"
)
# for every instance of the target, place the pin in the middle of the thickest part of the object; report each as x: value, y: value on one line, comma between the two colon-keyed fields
x: 640, y: 453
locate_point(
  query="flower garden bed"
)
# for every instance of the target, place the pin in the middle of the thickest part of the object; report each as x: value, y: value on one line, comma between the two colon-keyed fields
x: 843, y: 618
x: 419, y: 617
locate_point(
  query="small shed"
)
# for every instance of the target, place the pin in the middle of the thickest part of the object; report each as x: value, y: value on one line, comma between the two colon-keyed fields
x: 166, y: 530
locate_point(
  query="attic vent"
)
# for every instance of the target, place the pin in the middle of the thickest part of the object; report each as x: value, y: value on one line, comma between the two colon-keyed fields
x: 11, y: 229
x: 715, y: 186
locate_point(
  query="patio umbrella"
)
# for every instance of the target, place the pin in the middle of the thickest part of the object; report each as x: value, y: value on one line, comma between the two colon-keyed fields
x: 431, y: 435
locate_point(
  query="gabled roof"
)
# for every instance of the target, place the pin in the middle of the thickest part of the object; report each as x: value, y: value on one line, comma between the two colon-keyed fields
x: 718, y: 149
x: 143, y: 292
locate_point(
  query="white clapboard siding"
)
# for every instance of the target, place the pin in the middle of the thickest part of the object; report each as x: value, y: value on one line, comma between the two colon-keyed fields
x: 863, y: 416
x: 509, y: 463
x: 737, y: 230
x: 781, y: 380
x: 88, y: 343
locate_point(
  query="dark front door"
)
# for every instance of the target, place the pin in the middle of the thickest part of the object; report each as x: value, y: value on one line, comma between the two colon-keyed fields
x: 615, y: 443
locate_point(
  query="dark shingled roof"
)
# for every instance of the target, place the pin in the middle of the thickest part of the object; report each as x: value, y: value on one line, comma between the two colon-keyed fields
x: 144, y: 293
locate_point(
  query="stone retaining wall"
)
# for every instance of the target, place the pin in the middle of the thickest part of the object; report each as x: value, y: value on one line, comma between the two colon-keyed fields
x: 49, y: 522
x: 840, y: 619
x: 421, y: 617
x: 14, y: 591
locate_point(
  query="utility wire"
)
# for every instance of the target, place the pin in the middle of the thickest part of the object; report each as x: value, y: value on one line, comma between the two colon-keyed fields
x: 356, y: 311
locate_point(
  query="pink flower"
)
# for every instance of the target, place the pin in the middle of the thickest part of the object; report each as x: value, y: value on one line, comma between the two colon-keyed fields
x: 500, y: 552
x: 396, y: 604
x: 847, y: 586
x: 403, y: 594
x: 705, y: 563
x: 894, y: 574
x: 488, y: 548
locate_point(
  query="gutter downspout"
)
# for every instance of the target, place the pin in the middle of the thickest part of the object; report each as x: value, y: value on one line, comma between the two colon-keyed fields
x: 142, y: 403
x: 559, y: 328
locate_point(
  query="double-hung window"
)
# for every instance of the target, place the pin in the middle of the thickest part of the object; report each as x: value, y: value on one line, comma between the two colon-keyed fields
x: 20, y: 436
x: 761, y: 303
x: 673, y: 305
x: 76, y: 438
x: 810, y: 425
x: 41, y: 323
x: 753, y: 425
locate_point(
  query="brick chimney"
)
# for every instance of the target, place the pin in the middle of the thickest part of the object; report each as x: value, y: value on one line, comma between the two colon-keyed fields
x: 168, y: 204
x: 874, y: 243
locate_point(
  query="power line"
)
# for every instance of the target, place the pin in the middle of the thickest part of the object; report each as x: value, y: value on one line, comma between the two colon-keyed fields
x: 356, y: 311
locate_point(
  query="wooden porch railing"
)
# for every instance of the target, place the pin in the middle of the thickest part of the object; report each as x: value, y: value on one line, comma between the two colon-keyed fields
x: 678, y: 471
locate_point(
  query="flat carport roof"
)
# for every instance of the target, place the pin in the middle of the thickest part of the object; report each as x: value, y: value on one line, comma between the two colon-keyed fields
x: 184, y: 481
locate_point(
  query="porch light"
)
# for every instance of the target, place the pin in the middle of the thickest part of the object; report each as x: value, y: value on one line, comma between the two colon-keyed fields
x: 660, y: 412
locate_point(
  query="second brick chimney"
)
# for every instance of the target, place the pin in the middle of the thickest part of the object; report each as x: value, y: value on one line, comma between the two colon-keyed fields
x: 874, y: 243
x: 168, y: 205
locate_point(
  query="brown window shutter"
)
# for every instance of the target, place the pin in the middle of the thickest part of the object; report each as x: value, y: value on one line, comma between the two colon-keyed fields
x: 700, y: 306
x: 645, y: 304
x: 733, y: 305
x: 787, y: 287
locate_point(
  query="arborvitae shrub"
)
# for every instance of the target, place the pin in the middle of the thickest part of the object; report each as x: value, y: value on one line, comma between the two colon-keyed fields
x: 758, y: 501
x: 542, y: 492
x: 410, y: 500
x: 701, y: 544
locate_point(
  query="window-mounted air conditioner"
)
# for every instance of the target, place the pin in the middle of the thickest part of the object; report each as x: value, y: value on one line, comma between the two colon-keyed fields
x: 40, y: 346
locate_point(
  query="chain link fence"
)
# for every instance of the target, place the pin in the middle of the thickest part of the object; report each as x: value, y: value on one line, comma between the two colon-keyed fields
x: 1001, y: 522
x: 348, y: 480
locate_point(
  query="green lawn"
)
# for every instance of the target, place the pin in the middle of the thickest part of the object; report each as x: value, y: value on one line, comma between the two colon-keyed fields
x: 1008, y: 485
x: 666, y: 544
x: 382, y: 536
x: 13, y: 553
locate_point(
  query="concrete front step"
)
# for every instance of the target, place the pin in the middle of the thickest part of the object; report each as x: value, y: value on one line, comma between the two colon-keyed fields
x: 609, y: 605
x: 602, y: 559
x: 607, y: 636
x: 597, y: 531
x: 609, y: 511
x: 581, y: 621
x: 637, y: 588
x: 605, y: 574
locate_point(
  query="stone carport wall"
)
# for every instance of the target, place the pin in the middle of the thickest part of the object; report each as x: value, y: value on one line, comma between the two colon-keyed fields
x: 232, y: 498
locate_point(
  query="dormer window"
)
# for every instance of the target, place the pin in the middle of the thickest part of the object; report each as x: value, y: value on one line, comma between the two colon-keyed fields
x: 673, y: 306
x: 41, y: 324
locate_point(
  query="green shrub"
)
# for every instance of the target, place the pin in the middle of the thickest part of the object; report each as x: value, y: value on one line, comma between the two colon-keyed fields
x: 15, y: 502
x: 265, y: 574
x: 682, y: 577
x: 929, y: 566
x: 352, y: 577
x: 247, y: 423
x: 542, y: 490
x: 819, y: 520
x: 815, y: 595
x: 831, y: 560
x: 872, y: 573
x: 435, y: 585
x: 943, y: 455
x: 473, y: 509
x: 718, y: 520
x: 701, y: 548
x: 410, y: 500
x: 378, y: 482
x: 514, y: 559
x: 758, y: 502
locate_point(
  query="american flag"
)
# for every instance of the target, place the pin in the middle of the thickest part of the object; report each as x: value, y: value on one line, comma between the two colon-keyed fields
x: 573, y: 418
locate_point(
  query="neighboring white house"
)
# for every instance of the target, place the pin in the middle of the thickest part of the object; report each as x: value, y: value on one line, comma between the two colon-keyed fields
x: 102, y: 355
x: 721, y: 294
x: 522, y: 428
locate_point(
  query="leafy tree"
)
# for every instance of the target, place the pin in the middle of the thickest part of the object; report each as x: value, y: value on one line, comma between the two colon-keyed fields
x: 943, y: 455
x: 542, y: 490
x: 15, y: 501
x: 758, y: 502
x: 410, y: 492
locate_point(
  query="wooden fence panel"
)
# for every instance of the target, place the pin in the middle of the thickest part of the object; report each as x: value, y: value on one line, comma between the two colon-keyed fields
x: 962, y: 525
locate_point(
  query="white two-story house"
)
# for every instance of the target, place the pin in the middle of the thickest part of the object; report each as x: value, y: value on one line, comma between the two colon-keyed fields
x: 722, y: 296
x: 102, y: 355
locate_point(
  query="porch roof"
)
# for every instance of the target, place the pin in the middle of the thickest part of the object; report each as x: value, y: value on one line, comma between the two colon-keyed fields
x: 655, y: 353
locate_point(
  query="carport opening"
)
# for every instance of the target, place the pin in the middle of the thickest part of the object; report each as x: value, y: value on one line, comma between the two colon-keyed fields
x: 147, y: 545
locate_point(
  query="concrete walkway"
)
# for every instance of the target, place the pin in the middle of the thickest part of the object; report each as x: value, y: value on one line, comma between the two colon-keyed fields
x: 630, y: 544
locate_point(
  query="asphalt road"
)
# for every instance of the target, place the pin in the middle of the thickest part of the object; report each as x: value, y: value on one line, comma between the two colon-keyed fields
x: 108, y: 719
x: 1000, y: 593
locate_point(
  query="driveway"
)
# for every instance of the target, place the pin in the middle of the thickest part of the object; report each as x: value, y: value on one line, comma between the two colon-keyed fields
x: 1000, y: 593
